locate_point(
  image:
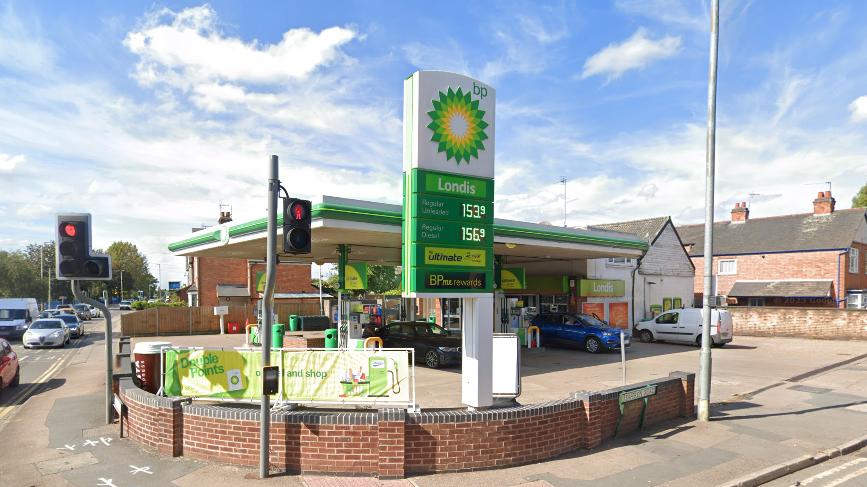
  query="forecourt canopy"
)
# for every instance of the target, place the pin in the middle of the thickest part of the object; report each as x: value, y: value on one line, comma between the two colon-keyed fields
x: 373, y: 231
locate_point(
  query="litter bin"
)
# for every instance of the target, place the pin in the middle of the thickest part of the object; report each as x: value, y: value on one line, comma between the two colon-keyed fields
x: 277, y: 331
x: 146, y: 364
x: 522, y: 335
x: 293, y: 322
x: 331, y: 338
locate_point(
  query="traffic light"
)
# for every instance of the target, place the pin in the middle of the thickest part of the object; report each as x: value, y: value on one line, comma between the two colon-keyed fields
x: 296, y: 226
x: 74, y: 260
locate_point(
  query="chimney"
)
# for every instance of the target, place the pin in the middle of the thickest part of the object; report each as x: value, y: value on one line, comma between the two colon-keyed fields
x: 823, y: 204
x: 225, y: 217
x: 740, y: 213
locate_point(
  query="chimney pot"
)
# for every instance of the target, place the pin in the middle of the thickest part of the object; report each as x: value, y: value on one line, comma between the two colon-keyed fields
x: 821, y: 195
x: 744, y: 204
x: 737, y: 205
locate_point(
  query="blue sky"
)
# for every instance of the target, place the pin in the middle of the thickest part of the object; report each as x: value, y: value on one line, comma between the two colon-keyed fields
x: 148, y: 115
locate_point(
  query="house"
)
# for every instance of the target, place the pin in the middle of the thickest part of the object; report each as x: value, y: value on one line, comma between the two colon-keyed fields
x: 220, y: 281
x: 805, y: 260
x: 660, y: 279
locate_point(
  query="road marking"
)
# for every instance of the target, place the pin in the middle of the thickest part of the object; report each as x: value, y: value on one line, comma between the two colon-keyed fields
x: 828, y: 473
x: 851, y: 476
x: 25, y: 393
x: 146, y: 470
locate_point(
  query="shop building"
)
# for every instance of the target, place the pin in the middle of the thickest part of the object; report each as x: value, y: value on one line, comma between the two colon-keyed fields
x: 805, y: 260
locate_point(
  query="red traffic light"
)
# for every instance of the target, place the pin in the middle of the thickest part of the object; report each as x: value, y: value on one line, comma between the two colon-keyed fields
x: 299, y: 211
x: 68, y: 229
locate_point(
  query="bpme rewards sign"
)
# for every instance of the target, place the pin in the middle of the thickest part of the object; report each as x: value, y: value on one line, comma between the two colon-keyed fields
x: 448, y: 164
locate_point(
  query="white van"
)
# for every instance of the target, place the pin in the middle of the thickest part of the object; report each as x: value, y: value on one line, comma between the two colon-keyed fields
x: 684, y: 325
x: 16, y: 314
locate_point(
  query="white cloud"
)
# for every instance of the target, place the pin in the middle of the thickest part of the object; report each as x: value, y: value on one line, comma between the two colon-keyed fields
x: 634, y: 53
x: 8, y: 163
x: 191, y: 49
x: 675, y: 12
x: 858, y: 109
x: 21, y: 47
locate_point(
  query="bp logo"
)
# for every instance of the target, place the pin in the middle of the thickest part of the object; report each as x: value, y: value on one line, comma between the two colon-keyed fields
x: 235, y: 380
x: 457, y: 125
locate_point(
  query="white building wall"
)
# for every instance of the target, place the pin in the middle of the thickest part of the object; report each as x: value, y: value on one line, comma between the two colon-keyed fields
x: 666, y: 257
x: 650, y: 289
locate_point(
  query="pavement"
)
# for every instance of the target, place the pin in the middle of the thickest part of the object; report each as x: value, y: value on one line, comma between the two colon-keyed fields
x: 766, y: 423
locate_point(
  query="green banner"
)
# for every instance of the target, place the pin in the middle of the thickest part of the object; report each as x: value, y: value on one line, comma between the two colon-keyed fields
x: 452, y: 233
x: 366, y: 376
x: 437, y: 183
x: 512, y: 278
x: 355, y: 275
x: 433, y: 255
x: 599, y: 287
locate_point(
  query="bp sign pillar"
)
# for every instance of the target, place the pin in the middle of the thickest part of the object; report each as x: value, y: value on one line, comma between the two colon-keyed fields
x: 448, y: 237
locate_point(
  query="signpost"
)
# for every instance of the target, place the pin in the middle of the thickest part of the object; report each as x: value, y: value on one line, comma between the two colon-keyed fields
x: 448, y: 235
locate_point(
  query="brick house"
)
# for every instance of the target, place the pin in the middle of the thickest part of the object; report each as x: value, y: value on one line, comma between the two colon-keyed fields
x: 806, y: 260
x: 233, y: 282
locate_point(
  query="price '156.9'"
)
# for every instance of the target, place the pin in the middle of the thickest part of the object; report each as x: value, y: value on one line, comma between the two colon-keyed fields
x: 472, y: 234
x: 472, y: 211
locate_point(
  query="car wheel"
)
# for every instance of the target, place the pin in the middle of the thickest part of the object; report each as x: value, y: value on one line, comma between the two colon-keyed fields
x: 646, y: 336
x: 17, y: 379
x: 718, y: 345
x: 25, y: 347
x: 432, y: 359
x: 593, y: 345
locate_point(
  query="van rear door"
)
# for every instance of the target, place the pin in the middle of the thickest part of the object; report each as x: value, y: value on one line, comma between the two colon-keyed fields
x: 724, y: 325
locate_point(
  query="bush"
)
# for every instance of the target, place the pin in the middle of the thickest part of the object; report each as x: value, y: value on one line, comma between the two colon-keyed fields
x: 140, y: 305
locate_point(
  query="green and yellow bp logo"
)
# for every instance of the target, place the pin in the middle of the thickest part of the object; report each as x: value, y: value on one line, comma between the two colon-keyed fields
x: 457, y: 125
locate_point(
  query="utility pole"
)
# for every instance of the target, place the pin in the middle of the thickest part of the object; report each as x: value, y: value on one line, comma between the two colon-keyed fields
x: 704, y: 369
x: 160, y: 285
x: 268, y: 311
x: 121, y: 284
x: 563, y: 182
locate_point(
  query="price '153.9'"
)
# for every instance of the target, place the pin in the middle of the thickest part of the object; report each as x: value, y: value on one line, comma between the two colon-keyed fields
x: 472, y: 234
x: 472, y: 211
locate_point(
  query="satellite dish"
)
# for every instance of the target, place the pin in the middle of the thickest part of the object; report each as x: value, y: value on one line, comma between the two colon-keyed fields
x: 546, y: 222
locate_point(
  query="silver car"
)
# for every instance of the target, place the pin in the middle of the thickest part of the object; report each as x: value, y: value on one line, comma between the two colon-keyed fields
x: 46, y: 332
x: 76, y: 326
x: 94, y: 312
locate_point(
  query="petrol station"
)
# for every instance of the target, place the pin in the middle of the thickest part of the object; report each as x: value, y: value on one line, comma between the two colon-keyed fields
x: 475, y: 274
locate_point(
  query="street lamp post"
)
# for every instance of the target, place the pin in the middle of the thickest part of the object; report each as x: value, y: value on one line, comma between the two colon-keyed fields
x: 160, y: 284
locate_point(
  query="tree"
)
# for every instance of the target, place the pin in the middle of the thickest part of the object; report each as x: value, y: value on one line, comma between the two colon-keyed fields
x: 860, y: 199
x: 381, y: 278
x: 129, y: 266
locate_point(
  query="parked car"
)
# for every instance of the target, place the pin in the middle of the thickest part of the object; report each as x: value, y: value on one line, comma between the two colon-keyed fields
x: 579, y: 330
x: 76, y: 327
x: 125, y: 304
x: 47, y: 332
x: 10, y: 370
x: 684, y: 325
x: 433, y: 344
x: 83, y: 312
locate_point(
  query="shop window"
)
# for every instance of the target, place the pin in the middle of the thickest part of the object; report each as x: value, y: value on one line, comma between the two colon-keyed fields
x: 619, y: 262
x: 757, y: 302
x: 853, y: 261
x: 451, y: 308
x: 727, y: 267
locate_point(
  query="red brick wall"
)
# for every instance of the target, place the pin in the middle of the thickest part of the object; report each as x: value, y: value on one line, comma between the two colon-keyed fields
x: 291, y: 278
x: 391, y: 442
x: 213, y: 271
x: 829, y: 323
x: 796, y: 265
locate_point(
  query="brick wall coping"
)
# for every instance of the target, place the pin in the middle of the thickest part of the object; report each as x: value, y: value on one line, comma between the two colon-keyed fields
x: 131, y: 391
x: 674, y: 378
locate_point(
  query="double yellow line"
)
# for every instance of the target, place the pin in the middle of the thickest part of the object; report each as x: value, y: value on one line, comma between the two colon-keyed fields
x: 24, y: 394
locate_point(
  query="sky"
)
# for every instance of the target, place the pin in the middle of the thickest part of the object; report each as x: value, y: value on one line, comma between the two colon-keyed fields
x: 150, y: 115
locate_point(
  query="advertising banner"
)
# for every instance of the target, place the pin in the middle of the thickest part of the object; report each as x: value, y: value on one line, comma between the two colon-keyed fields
x: 597, y: 309
x: 666, y: 304
x: 355, y: 275
x: 174, y: 285
x: 618, y: 315
x: 260, y: 281
x: 356, y: 376
x: 513, y: 278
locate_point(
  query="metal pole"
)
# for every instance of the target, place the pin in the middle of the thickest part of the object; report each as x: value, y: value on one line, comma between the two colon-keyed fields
x: 623, y: 355
x: 321, y: 311
x: 704, y: 369
x: 267, y: 311
x: 76, y: 291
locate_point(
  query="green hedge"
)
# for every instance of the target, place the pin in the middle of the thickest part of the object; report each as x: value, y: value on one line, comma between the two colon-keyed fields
x: 140, y: 305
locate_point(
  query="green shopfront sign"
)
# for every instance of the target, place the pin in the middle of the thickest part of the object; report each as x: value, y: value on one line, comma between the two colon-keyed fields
x: 599, y: 287
x: 448, y: 185
x: 513, y: 278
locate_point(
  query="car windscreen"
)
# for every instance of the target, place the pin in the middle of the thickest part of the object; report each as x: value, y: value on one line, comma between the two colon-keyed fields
x: 68, y: 318
x: 589, y: 320
x: 45, y: 325
x: 12, y: 314
x: 81, y: 307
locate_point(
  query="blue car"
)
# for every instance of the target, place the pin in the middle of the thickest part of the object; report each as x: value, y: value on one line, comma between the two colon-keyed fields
x: 579, y: 330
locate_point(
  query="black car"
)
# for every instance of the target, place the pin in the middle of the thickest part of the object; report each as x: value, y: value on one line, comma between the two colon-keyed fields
x: 432, y: 343
x: 76, y: 327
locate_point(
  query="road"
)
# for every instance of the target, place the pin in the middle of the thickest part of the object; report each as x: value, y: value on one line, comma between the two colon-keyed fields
x: 846, y: 471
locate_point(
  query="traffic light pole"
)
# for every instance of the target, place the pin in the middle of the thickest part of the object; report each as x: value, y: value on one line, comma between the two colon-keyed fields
x: 76, y: 290
x: 267, y: 308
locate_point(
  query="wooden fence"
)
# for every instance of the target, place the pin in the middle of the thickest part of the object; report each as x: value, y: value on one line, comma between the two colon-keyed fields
x: 195, y: 320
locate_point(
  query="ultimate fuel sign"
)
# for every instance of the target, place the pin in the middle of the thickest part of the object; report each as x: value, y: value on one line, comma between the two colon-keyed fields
x: 448, y: 234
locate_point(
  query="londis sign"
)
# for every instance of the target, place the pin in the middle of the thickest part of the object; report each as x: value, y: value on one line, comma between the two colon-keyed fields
x: 448, y: 185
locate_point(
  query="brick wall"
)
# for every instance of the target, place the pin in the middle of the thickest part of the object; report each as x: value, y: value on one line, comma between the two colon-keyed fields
x: 832, y: 323
x: 391, y: 442
x: 291, y: 278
